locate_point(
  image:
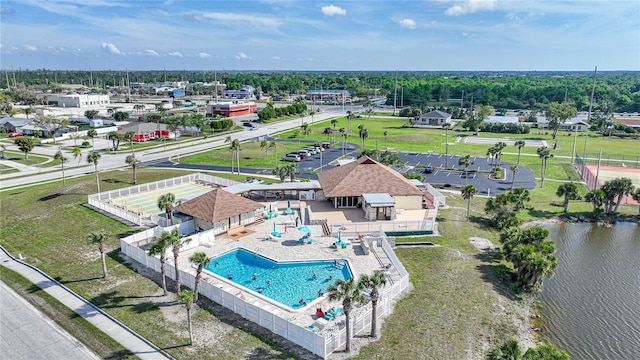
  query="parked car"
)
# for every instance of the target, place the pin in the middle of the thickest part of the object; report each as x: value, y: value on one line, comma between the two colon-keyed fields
x: 291, y: 157
x: 428, y: 169
x: 326, y: 145
x: 15, y: 135
x: 303, y: 154
x: 319, y: 148
x: 312, y: 150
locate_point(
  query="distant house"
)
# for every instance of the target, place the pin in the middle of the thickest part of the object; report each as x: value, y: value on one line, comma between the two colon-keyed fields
x: 574, y: 124
x: 434, y: 118
x: 220, y: 210
x: 13, y: 125
x: 366, y: 183
x: 144, y: 132
x: 633, y: 123
x: 246, y: 92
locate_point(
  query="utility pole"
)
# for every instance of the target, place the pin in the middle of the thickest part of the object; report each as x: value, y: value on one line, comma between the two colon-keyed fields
x: 395, y: 94
x: 584, y: 152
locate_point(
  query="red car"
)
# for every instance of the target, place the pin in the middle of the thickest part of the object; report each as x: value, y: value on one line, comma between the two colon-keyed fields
x: 15, y: 135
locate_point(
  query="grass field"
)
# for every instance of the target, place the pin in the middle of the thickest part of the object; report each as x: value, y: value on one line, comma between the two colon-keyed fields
x: 461, y: 305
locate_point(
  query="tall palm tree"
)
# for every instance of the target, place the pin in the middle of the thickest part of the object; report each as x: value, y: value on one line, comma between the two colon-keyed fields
x: 129, y: 136
x: 264, y: 144
x: 466, y: 162
x: 327, y: 131
x: 133, y: 162
x: 63, y: 159
x: 100, y: 237
x: 176, y: 243
x: 515, y: 169
x: 281, y: 172
x: 386, y: 134
x: 596, y: 198
x: 499, y: 147
x: 160, y: 247
x: 468, y: 191
x: 201, y: 260
x: 347, y: 291
x: 77, y: 153
x: 492, y: 153
x: 544, y: 153
x: 93, y: 158
x: 570, y: 192
x: 235, y: 146
x: 373, y: 283
x: 229, y: 140
x: 186, y: 297
x: 92, y: 133
x: 519, y: 144
x: 165, y: 202
x: 334, y: 122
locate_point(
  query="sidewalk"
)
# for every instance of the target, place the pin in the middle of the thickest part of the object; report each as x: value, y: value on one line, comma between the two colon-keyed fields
x: 135, y: 343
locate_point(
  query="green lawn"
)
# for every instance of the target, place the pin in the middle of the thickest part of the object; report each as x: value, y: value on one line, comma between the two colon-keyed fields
x: 18, y: 156
x: 48, y: 225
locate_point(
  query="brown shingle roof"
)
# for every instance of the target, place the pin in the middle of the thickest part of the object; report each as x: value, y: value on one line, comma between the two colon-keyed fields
x: 365, y: 176
x: 217, y: 205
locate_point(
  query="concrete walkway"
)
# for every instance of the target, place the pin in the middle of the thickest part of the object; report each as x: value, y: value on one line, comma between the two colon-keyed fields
x: 135, y: 343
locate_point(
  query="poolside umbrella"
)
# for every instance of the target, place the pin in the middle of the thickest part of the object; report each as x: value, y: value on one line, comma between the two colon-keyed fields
x: 275, y: 227
x: 339, y: 235
x: 306, y: 229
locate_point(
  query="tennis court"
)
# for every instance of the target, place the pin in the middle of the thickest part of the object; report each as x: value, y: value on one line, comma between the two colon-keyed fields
x: 147, y: 202
x: 607, y: 173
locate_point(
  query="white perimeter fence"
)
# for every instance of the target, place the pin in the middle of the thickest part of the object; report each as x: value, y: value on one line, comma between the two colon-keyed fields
x: 321, y: 343
x: 103, y: 202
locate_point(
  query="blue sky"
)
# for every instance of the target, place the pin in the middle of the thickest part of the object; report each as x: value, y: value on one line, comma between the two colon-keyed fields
x: 436, y: 35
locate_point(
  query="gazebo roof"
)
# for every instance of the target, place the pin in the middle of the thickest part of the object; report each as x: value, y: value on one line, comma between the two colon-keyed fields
x: 217, y: 205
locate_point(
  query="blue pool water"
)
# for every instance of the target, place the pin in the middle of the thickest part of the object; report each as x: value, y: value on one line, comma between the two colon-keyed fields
x: 290, y: 281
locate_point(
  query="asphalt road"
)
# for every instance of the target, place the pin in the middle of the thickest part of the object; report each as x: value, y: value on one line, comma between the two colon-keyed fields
x: 25, y: 333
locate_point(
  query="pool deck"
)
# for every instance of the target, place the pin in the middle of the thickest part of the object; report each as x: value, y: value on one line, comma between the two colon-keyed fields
x: 288, y: 249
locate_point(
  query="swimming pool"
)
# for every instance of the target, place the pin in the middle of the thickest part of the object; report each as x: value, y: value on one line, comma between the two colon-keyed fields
x: 285, y: 282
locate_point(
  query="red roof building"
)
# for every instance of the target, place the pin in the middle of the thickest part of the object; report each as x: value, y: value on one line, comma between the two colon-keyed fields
x: 230, y: 109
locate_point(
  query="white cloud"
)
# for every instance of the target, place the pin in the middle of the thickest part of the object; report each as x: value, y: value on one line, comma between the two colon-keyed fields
x: 151, y: 52
x: 275, y: 57
x: 168, y: 2
x: 234, y: 18
x: 30, y: 48
x: 331, y: 10
x: 408, y: 23
x: 175, y: 53
x: 471, y: 6
x: 203, y: 55
x: 110, y: 48
x: 242, y: 55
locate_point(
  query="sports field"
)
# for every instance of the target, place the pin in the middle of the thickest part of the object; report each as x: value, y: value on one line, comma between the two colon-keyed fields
x: 607, y: 173
x: 147, y: 202
x: 510, y: 142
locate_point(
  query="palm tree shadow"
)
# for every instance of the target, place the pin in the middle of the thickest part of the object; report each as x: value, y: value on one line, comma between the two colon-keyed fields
x: 495, y: 271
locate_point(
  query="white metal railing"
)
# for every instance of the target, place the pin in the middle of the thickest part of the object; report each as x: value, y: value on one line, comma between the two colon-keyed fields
x: 438, y: 199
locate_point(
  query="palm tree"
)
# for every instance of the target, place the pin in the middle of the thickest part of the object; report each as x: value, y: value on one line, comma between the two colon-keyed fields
x: 327, y: 131
x: 93, y: 158
x: 492, y: 153
x: 229, y: 141
x: 100, y: 237
x: 92, y: 133
x: 63, y: 159
x: 272, y: 145
x: 334, y: 122
x: 264, y: 144
x: 130, y: 136
x: 636, y: 197
x: 499, y: 147
x: 468, y: 191
x: 165, y: 202
x: 27, y: 111
x: 386, y: 134
x: 544, y: 153
x: 281, y: 172
x: 291, y: 170
x: 160, y: 247
x: 176, y: 243
x: 348, y: 292
x: 466, y: 162
x: 596, y: 198
x: 515, y: 170
x: 570, y: 192
x: 186, y: 297
x: 373, y: 283
x: 131, y: 160
x: 510, y: 350
x: 202, y: 260
x: 77, y: 153
x: 519, y: 144
x: 235, y: 146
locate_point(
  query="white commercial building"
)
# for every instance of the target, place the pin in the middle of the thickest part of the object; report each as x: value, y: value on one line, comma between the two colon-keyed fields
x: 77, y: 100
